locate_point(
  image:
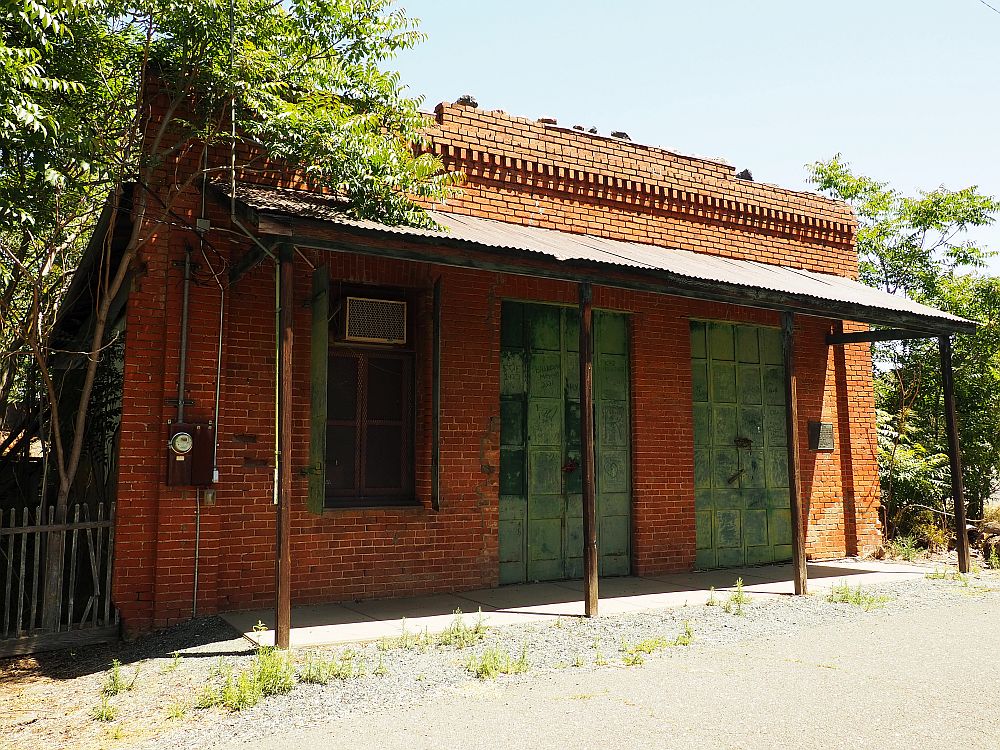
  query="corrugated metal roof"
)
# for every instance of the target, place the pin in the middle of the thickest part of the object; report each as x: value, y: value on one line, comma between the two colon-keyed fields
x: 836, y: 291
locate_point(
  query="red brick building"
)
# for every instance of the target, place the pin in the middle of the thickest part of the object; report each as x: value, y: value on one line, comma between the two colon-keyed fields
x: 435, y: 417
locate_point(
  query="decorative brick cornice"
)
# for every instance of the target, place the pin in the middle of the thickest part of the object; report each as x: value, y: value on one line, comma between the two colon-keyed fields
x: 483, y: 166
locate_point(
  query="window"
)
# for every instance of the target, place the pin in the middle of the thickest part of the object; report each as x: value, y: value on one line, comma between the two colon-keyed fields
x: 369, y: 438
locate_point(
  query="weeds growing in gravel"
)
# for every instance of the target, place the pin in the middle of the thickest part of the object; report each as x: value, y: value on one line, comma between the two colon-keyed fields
x: 272, y: 672
x: 104, y: 711
x: 993, y: 562
x: 177, y: 710
x: 460, y: 635
x: 712, y: 601
x: 457, y: 635
x: 173, y: 664
x: 734, y: 604
x: 633, y: 656
x: 845, y: 594
x: 904, y: 548
x: 319, y: 670
x: 115, y: 682
x: 943, y: 574
x: 493, y: 662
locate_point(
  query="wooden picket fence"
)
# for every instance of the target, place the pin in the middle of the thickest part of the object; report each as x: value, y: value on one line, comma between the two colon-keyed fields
x: 85, y: 612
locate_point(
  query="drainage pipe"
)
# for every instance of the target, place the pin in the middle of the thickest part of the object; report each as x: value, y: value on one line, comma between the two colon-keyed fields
x: 181, y: 384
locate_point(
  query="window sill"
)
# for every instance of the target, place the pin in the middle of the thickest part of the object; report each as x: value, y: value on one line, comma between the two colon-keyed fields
x: 401, y: 505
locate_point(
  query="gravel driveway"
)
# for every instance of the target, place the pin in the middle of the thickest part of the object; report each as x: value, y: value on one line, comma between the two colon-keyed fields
x: 920, y: 666
x: 904, y: 677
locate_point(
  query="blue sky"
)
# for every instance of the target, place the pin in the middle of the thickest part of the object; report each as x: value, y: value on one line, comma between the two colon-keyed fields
x: 907, y: 91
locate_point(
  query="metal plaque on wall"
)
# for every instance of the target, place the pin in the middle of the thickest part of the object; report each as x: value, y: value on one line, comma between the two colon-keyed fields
x: 821, y: 436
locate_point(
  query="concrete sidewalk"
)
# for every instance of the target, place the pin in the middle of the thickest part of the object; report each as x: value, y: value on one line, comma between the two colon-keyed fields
x: 323, y: 624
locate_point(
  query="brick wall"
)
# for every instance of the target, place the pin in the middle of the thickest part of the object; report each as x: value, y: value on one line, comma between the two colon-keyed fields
x: 519, y: 171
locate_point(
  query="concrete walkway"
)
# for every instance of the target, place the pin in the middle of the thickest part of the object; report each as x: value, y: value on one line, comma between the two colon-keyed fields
x: 324, y: 624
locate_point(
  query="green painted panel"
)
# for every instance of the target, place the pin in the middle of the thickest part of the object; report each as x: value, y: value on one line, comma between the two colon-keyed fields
x: 724, y: 425
x: 747, y: 347
x: 740, y: 462
x: 699, y: 348
x: 703, y: 529
x: 774, y: 385
x: 752, y: 462
x: 612, y: 471
x: 543, y: 323
x: 512, y: 381
x: 759, y: 555
x: 512, y: 539
x: 512, y: 325
x: 702, y: 424
x: 722, y: 381
x: 541, y: 538
x: 613, y: 536
x: 511, y: 422
x: 573, y: 480
x: 730, y: 557
x: 770, y: 347
x: 699, y: 380
x: 728, y: 528
x: 779, y: 522
x: 748, y: 385
x: 610, y: 377
x: 572, y: 434
x: 512, y: 471
x: 702, y: 468
x: 721, y: 343
x: 544, y: 471
x: 725, y: 468
x: 545, y: 376
x: 610, y: 333
x: 545, y: 422
x: 702, y: 500
x: 754, y: 528
x: 776, y: 467
x: 612, y: 424
x: 571, y: 375
x: 775, y: 426
x: 751, y: 425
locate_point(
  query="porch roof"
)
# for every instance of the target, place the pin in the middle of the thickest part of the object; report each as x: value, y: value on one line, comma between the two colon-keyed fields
x: 298, y: 216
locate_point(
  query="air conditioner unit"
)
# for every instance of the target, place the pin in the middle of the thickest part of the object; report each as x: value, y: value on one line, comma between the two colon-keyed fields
x: 374, y: 321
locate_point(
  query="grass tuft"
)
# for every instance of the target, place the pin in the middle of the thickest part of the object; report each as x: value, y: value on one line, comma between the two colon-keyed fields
x: 115, y: 683
x: 734, y: 604
x: 493, y: 662
x: 845, y: 594
x: 104, y: 711
x: 272, y: 672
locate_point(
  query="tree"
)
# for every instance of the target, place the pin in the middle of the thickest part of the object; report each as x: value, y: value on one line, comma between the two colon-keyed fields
x: 301, y: 81
x: 918, y: 246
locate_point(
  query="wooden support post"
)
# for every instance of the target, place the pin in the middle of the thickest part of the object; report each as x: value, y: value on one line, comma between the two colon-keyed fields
x: 799, y: 569
x: 955, y: 456
x: 283, y: 561
x: 587, y: 452
x: 436, y: 402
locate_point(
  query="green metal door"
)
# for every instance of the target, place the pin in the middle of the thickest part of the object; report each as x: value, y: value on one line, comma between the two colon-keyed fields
x: 742, y: 512
x: 541, y: 520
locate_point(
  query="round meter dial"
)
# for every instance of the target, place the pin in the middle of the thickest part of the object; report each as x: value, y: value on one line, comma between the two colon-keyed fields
x: 181, y: 443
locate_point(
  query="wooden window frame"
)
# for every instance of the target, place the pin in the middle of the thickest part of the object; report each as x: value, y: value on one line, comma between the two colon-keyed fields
x: 359, y: 496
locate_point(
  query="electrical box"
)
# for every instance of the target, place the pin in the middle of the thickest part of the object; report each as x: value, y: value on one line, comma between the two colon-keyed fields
x: 190, y: 450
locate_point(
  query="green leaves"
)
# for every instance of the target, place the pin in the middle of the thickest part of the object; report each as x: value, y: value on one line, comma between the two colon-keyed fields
x: 917, y: 246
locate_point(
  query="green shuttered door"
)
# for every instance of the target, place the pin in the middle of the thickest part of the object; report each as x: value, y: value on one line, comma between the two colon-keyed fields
x: 541, y: 524
x: 740, y: 460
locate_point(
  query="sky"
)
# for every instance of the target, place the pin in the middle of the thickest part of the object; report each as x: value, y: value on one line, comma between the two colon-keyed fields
x: 908, y: 91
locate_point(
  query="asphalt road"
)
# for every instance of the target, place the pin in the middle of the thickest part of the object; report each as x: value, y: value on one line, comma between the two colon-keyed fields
x: 927, y: 677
